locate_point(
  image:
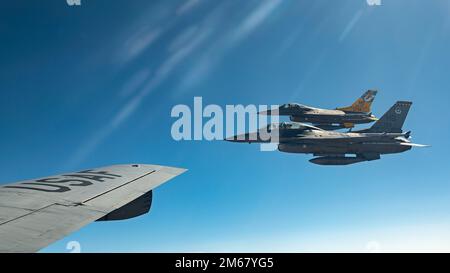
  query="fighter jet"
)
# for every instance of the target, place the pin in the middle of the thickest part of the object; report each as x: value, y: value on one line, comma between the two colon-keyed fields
x: 37, y: 212
x: 345, y: 117
x: 331, y: 147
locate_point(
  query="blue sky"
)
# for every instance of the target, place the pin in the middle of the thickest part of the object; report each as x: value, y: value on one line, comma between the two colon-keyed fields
x: 94, y: 85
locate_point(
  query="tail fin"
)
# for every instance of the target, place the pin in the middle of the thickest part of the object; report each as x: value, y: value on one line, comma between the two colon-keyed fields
x: 392, y: 121
x: 362, y: 104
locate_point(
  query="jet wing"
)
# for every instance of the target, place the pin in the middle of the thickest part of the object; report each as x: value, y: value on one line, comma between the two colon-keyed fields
x: 35, y: 213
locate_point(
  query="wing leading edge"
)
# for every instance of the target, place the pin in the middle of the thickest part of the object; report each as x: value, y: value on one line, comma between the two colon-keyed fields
x: 35, y: 213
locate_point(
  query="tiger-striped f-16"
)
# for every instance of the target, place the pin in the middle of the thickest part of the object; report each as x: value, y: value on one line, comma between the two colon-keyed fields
x: 345, y: 117
x: 331, y: 147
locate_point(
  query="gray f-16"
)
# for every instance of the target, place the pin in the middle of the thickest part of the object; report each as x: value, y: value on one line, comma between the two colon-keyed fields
x: 35, y: 213
x: 331, y: 147
x: 345, y: 117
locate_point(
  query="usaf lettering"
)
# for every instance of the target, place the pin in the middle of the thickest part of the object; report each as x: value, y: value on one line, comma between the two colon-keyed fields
x: 64, y: 182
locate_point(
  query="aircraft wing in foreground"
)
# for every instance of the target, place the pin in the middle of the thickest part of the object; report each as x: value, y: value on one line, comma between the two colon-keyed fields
x: 35, y: 213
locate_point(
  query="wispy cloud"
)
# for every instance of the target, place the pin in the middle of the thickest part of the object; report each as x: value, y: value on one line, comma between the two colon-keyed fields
x: 254, y: 19
x: 86, y: 148
x: 201, y: 35
x: 187, y: 6
x: 183, y: 38
x: 351, y: 25
x: 227, y: 39
x: 181, y: 53
x: 139, y: 42
x: 148, y: 28
x: 134, y: 83
x: 177, y: 54
x: 174, y: 59
x: 198, y: 72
